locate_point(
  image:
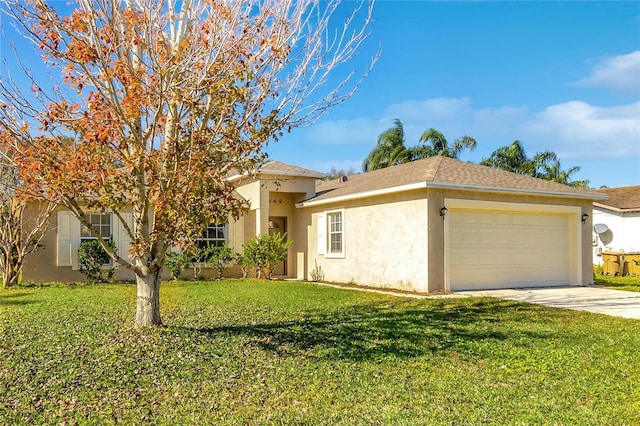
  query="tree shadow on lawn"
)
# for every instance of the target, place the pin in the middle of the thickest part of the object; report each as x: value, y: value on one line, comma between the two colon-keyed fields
x: 379, y: 330
x: 9, y: 299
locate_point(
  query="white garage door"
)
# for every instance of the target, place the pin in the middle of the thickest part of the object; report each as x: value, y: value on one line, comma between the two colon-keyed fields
x: 506, y: 249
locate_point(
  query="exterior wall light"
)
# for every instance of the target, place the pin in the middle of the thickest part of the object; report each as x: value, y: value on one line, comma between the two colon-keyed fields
x: 443, y: 212
x: 585, y: 217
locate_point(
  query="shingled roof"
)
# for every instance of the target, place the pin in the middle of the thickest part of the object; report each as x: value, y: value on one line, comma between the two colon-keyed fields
x: 279, y: 168
x: 441, y: 172
x: 626, y: 198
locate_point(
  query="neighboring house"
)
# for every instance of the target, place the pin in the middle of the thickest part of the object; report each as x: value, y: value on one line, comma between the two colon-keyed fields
x: 617, y: 221
x: 437, y: 224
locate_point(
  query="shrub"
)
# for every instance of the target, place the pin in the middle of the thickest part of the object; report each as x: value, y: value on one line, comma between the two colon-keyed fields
x: 220, y: 257
x: 197, y: 258
x: 317, y: 274
x: 176, y: 263
x: 244, y: 263
x: 92, y: 259
x: 265, y: 252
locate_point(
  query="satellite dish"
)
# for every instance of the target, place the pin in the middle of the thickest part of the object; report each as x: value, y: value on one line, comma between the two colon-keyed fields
x: 600, y: 228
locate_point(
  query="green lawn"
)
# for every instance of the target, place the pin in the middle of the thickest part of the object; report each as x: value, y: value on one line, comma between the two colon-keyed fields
x: 627, y: 283
x: 247, y: 352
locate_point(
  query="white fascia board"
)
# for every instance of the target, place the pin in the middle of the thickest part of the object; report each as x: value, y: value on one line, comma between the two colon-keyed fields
x: 276, y: 173
x: 438, y: 185
x: 615, y: 209
x: 366, y: 194
x: 296, y: 174
x: 236, y: 177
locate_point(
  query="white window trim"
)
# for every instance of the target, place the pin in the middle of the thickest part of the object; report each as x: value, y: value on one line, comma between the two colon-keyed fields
x: 328, y: 253
x: 69, y: 236
x: 225, y: 231
x: 92, y: 237
x: 110, y: 264
x: 226, y: 241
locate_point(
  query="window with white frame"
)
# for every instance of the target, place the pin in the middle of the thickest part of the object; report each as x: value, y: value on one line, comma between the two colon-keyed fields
x: 215, y: 235
x: 335, y: 233
x: 102, y: 226
x: 101, y: 223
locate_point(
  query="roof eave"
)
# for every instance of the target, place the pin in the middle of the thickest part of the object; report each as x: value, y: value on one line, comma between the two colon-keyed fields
x: 309, y: 174
x: 440, y: 185
x: 365, y: 194
x: 277, y: 173
x: 616, y: 209
x: 236, y: 177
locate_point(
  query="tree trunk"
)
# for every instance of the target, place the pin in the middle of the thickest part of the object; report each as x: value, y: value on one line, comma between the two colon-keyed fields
x: 148, y: 300
x: 10, y: 275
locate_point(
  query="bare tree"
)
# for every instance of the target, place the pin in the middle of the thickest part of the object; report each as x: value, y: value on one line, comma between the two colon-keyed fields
x: 161, y: 99
x: 23, y: 223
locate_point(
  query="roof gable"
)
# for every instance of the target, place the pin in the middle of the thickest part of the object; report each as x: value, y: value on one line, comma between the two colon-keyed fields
x: 443, y: 172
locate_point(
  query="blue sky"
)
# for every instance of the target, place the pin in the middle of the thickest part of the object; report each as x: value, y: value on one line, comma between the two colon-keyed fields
x: 560, y: 76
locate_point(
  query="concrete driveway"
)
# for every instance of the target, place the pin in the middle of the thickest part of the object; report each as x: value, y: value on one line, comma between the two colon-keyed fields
x: 600, y: 300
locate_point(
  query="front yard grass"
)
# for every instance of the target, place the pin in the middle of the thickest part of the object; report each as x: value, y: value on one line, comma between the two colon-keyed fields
x: 251, y: 352
x: 627, y: 283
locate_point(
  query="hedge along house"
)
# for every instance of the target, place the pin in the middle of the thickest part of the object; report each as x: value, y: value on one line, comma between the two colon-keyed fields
x: 430, y: 225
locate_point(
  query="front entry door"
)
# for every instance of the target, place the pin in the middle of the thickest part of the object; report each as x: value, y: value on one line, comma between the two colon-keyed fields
x: 278, y: 224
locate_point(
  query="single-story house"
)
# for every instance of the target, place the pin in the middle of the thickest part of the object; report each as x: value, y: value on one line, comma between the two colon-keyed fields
x: 437, y: 224
x: 616, y: 222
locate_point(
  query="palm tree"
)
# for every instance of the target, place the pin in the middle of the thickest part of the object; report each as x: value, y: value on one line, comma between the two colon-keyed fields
x: 554, y: 173
x: 389, y: 151
x: 543, y: 165
x: 434, y: 143
x: 540, y: 161
x: 513, y: 158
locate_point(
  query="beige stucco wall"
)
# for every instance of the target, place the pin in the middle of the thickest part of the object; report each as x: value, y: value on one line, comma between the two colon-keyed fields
x: 41, y: 266
x: 260, y: 194
x: 393, y: 240
x: 276, y: 196
x: 385, y: 242
x: 397, y: 240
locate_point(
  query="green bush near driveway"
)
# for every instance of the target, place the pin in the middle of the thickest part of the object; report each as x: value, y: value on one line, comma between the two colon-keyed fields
x: 263, y: 352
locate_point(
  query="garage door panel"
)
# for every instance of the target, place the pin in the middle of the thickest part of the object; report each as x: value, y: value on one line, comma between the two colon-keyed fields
x: 469, y: 238
x: 501, y: 249
x: 484, y: 278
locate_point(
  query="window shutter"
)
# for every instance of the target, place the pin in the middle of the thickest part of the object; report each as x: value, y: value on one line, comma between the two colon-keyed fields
x: 120, y: 235
x: 68, y: 236
x: 74, y: 228
x: 236, y: 239
x: 322, y: 234
x: 64, y: 239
